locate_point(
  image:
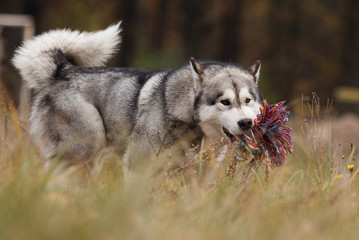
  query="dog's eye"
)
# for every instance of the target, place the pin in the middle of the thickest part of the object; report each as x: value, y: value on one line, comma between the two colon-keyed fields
x: 226, y: 102
x: 248, y: 100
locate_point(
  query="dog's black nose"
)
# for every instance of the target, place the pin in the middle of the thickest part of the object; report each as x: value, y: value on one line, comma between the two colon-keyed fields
x: 245, y: 124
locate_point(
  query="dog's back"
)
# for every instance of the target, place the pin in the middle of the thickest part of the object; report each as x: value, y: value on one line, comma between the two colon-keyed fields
x: 79, y: 107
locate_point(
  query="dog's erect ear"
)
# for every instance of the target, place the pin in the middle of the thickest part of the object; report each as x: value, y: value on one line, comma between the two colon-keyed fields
x: 197, y: 73
x: 254, y: 70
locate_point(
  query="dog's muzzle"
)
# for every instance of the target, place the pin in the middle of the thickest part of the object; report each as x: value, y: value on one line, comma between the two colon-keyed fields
x: 244, y: 125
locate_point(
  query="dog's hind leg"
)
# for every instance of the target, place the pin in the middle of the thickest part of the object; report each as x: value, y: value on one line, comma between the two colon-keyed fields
x: 98, y: 161
x: 67, y: 129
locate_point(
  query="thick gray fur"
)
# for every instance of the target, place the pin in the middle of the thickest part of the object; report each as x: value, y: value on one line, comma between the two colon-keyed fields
x: 80, y: 107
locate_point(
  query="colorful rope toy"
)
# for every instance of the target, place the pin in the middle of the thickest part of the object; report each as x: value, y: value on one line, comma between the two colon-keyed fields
x: 269, y: 139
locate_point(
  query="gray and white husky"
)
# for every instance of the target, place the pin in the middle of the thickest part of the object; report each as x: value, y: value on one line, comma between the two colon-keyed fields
x: 79, y: 107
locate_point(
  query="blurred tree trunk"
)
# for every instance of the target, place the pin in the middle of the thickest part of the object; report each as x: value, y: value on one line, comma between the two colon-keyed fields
x: 193, y: 28
x: 281, y: 57
x: 350, y: 61
x: 38, y: 9
x: 159, y: 34
x: 351, y: 45
x: 231, y: 24
x: 127, y: 10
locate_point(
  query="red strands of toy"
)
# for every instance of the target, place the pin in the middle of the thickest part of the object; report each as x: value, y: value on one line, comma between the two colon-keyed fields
x: 271, y: 133
x: 270, y: 136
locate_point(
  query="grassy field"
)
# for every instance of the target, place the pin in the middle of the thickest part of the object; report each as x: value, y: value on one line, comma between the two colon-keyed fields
x: 312, y: 196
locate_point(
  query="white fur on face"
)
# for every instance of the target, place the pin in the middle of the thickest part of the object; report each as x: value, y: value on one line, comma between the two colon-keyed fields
x: 215, y: 117
x: 251, y: 109
x: 230, y: 118
x: 229, y: 95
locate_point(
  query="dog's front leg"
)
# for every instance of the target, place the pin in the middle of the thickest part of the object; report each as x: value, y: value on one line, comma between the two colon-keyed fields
x: 139, y: 154
x: 218, y: 162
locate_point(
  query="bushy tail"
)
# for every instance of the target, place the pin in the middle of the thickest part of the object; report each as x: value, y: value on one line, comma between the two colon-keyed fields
x: 35, y: 59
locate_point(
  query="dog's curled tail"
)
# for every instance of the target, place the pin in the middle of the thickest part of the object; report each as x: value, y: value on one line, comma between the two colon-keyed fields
x: 37, y: 60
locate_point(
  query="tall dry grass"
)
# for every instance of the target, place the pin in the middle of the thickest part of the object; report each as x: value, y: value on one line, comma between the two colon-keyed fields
x: 313, y: 196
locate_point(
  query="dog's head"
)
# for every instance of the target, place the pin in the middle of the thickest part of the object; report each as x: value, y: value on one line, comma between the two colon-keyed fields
x: 227, y: 98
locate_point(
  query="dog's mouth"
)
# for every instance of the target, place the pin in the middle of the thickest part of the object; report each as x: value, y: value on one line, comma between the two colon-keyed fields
x: 231, y: 137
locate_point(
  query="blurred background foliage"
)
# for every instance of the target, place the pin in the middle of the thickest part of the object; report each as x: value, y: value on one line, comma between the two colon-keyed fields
x: 305, y: 46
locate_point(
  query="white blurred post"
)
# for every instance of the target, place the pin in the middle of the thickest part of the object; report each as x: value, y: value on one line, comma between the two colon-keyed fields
x: 26, y: 22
